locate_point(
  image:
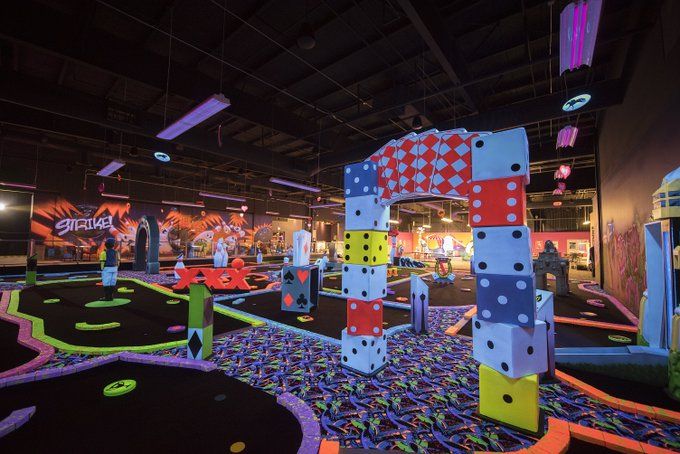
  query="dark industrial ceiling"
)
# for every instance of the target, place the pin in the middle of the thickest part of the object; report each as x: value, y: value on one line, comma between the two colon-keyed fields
x: 103, y: 77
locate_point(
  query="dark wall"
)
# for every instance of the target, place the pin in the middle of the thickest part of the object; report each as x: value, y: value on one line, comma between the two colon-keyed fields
x: 639, y: 144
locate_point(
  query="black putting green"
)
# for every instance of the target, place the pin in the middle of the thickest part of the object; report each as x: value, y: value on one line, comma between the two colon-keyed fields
x: 334, y: 282
x: 13, y: 353
x: 144, y: 321
x: 440, y: 294
x: 171, y: 410
x: 330, y: 317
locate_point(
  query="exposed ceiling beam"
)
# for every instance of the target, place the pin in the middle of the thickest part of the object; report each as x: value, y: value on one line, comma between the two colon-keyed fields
x: 427, y: 22
x: 51, y: 32
x: 604, y: 94
x: 35, y: 94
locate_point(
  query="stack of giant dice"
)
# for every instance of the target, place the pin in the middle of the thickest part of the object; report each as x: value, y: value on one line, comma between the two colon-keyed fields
x: 508, y: 340
x: 364, y: 272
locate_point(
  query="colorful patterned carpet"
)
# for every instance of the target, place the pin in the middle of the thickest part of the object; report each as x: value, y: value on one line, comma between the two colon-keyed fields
x: 424, y: 401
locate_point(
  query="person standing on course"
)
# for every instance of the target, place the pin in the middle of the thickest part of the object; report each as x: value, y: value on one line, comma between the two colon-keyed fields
x: 109, y: 261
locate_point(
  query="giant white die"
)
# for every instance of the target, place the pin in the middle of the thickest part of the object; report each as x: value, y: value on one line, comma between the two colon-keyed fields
x: 546, y: 313
x: 512, y: 350
x: 501, y: 155
x: 366, y: 213
x: 503, y: 250
x: 302, y: 247
x: 364, y: 282
x: 364, y: 354
x: 361, y: 179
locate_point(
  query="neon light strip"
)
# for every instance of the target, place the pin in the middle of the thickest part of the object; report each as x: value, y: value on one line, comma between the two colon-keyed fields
x: 293, y: 184
x: 198, y: 114
x: 111, y: 167
x: 214, y: 195
x: 18, y: 185
x: 115, y: 196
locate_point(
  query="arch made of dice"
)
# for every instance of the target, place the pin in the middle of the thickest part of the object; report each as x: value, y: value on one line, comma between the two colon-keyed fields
x: 491, y: 170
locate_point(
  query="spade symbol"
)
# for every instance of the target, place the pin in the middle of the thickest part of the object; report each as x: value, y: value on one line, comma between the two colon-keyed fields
x: 413, y: 296
x: 422, y: 297
x: 289, y: 277
x: 302, y: 301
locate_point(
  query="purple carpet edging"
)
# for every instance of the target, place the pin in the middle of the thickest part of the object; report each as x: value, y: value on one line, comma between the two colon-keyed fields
x: 619, y: 305
x: 15, y: 420
x: 24, y: 338
x: 311, y: 430
x: 204, y: 366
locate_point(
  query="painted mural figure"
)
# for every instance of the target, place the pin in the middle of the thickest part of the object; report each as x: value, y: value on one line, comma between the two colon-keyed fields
x: 220, y: 258
x: 109, y: 261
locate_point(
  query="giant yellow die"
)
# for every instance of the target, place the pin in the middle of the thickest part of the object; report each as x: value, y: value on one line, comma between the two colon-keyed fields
x: 366, y: 247
x: 512, y: 401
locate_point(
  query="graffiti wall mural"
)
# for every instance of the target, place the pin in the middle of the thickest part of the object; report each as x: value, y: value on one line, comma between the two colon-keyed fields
x: 61, y: 223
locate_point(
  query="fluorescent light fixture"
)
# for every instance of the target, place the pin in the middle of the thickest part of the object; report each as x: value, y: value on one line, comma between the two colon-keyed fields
x: 198, y: 114
x: 3, y: 206
x: 111, y: 195
x: 337, y: 199
x: 406, y: 210
x: 432, y: 206
x: 111, y: 167
x: 299, y: 216
x: 394, y: 221
x: 338, y: 213
x: 183, y: 204
x: 272, y: 213
x: 233, y: 209
x: 586, y: 222
x: 325, y: 205
x: 293, y: 184
x: 566, y: 137
x: 215, y: 195
x: 427, y: 226
x: 576, y: 102
x: 447, y: 220
x: 579, y: 22
x: 162, y: 157
x: 8, y: 184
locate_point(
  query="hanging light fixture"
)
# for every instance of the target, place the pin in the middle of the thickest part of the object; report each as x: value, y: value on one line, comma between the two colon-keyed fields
x: 579, y: 22
x: 566, y: 137
x: 417, y: 123
x: 576, y: 102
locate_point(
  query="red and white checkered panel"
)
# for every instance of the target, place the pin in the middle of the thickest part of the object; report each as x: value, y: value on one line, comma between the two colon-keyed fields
x: 428, y: 149
x: 453, y: 170
x: 428, y: 163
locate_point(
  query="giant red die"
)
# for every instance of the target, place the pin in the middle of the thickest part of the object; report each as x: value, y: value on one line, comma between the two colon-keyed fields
x: 364, y: 317
x: 497, y: 202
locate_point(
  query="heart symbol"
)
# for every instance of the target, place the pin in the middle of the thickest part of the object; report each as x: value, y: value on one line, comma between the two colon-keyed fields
x: 302, y: 275
x: 244, y: 208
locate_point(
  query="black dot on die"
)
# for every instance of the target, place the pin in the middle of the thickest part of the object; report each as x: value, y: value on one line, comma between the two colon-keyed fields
x: 547, y: 326
x: 530, y: 350
x: 375, y: 223
x: 489, y: 344
x: 372, y: 271
x: 365, y: 258
x: 347, y: 235
x: 375, y: 200
x: 346, y: 290
x: 518, y: 267
x: 365, y: 247
x: 372, y: 343
x: 363, y: 293
x: 515, y: 167
x: 374, y: 259
x: 346, y: 246
x: 378, y: 351
x: 387, y: 224
x: 481, y: 235
x: 358, y: 212
x: 364, y: 270
x: 344, y: 359
x: 384, y: 359
x: 504, y: 366
x: 479, y: 144
x: 354, y: 351
x: 372, y: 366
x: 384, y: 336
x: 364, y: 343
x: 380, y: 248
x: 507, y: 398
x: 517, y: 234
x: 347, y: 268
x: 366, y: 236
x: 347, y: 257
x: 383, y: 291
x: 482, y: 265
x: 478, y: 325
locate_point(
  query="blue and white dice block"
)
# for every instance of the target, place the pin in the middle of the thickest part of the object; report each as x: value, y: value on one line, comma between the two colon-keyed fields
x: 364, y: 282
x: 512, y: 350
x: 501, y: 155
x: 361, y: 179
x: 506, y: 299
x: 366, y: 213
x: 364, y: 354
x: 503, y: 250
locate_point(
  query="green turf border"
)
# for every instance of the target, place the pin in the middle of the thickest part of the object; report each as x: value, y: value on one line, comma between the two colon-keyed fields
x: 84, y: 326
x: 38, y: 324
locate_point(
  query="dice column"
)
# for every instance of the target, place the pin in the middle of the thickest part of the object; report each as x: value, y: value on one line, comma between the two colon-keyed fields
x: 508, y: 341
x: 364, y: 272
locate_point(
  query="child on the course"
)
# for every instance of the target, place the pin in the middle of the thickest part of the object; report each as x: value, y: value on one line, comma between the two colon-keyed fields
x: 109, y: 260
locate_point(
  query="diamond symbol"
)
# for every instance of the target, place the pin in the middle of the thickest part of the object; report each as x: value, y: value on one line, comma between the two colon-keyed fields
x: 288, y: 300
x: 195, y: 344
